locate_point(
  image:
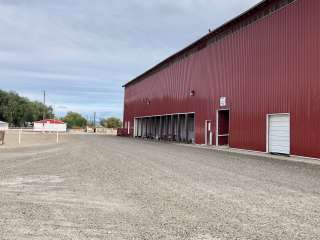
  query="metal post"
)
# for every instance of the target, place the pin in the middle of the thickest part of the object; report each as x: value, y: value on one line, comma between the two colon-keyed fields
x: 179, y: 129
x: 137, y: 126
x: 160, y: 128
x: 146, y: 122
x: 144, y: 127
x: 141, y: 125
x: 44, y: 107
x: 19, y: 138
x: 155, y: 127
x: 57, y: 137
x: 94, y: 122
x: 167, y: 126
x: 151, y: 127
x: 186, y: 125
x: 141, y: 119
x: 172, y: 127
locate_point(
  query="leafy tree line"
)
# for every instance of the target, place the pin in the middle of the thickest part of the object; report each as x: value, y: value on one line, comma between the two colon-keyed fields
x: 111, y: 122
x: 75, y: 120
x: 18, y: 111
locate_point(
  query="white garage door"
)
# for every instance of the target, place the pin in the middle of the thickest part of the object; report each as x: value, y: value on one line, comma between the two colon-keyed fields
x: 279, y: 134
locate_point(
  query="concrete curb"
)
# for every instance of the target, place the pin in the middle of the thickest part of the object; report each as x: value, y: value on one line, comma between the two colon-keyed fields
x: 256, y: 155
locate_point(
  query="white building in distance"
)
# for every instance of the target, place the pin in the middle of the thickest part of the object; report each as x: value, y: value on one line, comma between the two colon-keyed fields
x: 50, y: 125
x: 4, y: 126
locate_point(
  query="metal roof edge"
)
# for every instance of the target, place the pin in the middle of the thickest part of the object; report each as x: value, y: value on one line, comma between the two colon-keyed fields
x: 211, y: 34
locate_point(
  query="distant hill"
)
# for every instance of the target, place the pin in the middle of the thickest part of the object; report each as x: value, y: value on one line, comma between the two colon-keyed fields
x: 18, y: 111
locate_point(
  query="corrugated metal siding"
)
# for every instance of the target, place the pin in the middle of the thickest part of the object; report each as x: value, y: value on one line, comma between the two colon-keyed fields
x: 270, y: 66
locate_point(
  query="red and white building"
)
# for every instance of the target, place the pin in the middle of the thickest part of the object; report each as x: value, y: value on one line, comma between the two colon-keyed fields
x: 50, y: 125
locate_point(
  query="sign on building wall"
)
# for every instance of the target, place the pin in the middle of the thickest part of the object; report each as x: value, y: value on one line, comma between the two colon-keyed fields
x: 223, y: 101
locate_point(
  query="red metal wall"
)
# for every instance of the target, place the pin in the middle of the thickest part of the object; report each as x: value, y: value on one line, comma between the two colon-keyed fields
x: 270, y: 66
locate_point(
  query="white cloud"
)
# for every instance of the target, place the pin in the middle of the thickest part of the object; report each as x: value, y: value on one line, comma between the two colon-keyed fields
x: 76, y: 45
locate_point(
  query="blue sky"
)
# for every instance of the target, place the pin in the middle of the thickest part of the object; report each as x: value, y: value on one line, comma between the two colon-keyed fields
x: 81, y: 52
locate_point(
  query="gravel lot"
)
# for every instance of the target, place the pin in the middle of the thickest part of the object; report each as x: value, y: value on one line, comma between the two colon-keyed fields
x: 29, y: 138
x: 99, y: 187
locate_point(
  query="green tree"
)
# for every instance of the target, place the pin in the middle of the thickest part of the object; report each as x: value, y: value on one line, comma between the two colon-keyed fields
x: 18, y: 111
x: 111, y: 122
x: 75, y: 120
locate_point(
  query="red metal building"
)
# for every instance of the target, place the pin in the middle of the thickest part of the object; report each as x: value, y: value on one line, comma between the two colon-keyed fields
x: 253, y: 83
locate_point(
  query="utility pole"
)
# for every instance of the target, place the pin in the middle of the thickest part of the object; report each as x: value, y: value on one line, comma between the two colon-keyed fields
x: 44, y: 105
x: 94, y: 122
x: 54, y: 109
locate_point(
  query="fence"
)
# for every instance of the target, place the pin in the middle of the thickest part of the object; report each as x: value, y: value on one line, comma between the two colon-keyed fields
x: 106, y: 131
x: 27, y: 136
x: 2, y: 134
x: 99, y: 130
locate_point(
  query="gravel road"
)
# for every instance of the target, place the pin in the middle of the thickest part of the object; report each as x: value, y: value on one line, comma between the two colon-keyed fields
x: 99, y: 187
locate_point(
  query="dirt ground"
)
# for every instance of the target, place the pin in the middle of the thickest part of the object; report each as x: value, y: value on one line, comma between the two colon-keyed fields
x: 100, y: 187
x: 29, y: 138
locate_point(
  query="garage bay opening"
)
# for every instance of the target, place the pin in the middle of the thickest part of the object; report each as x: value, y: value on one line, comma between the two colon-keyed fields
x: 172, y: 127
x: 223, y: 135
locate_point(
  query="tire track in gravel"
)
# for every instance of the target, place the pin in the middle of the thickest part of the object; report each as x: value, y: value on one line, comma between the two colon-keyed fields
x: 162, y: 170
x: 98, y: 187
